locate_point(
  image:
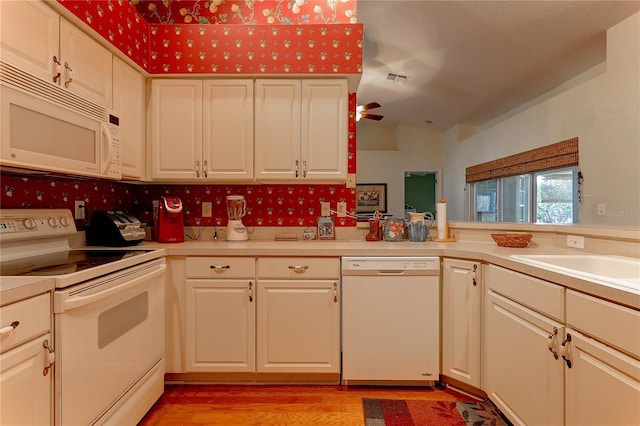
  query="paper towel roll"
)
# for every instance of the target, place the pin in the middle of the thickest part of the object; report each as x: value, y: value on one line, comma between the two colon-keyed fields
x: 441, y: 217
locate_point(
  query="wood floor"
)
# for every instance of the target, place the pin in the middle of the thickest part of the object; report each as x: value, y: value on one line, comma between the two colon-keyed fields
x: 231, y: 405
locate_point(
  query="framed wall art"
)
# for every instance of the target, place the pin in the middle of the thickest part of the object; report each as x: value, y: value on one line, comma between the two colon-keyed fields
x: 371, y: 197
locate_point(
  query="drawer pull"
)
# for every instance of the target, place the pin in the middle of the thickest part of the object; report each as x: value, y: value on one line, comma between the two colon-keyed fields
x: 335, y: 292
x: 250, y: 291
x: 298, y: 269
x: 9, y: 329
x: 220, y: 268
x: 50, y: 357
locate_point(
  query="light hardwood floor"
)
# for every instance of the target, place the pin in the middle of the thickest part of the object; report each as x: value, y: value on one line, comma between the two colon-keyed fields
x: 231, y: 405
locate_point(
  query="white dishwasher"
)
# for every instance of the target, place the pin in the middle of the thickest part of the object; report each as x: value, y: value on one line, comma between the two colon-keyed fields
x: 390, y: 320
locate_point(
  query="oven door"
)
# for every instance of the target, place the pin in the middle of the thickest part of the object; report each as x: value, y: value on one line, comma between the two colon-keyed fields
x: 109, y: 334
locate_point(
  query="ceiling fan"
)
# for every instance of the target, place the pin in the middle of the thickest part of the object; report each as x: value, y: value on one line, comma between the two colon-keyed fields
x: 360, y: 112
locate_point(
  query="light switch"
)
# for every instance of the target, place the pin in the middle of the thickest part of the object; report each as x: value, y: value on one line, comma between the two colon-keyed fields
x: 325, y: 208
x: 206, y: 209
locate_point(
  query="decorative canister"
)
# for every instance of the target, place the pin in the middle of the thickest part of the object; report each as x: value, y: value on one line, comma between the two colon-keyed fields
x: 374, y: 230
x: 418, y: 231
x: 416, y: 217
x: 393, y: 229
x: 309, y: 234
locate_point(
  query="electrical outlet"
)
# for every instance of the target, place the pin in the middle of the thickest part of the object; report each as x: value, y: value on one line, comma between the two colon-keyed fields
x: 351, y: 180
x: 206, y: 209
x: 575, y: 241
x: 325, y: 208
x: 342, y: 209
x: 601, y: 209
x: 80, y: 208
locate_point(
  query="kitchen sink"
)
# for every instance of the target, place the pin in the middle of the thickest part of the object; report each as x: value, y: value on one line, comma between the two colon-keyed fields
x: 614, y: 270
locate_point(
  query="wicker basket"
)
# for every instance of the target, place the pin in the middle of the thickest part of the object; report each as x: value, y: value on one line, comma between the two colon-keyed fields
x: 512, y: 240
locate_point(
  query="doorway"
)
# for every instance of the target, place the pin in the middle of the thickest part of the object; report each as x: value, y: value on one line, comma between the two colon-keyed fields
x: 419, y: 192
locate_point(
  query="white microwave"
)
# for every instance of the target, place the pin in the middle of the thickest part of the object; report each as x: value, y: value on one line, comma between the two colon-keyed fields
x: 47, y: 128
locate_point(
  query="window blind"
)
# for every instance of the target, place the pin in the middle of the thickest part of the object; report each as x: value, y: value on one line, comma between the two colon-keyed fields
x: 560, y: 154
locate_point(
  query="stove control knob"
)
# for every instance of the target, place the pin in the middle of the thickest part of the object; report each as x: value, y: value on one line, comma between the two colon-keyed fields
x: 29, y: 223
x: 64, y: 221
x: 52, y: 222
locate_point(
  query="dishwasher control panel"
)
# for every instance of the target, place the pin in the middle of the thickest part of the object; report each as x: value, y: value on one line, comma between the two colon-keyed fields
x: 390, y: 263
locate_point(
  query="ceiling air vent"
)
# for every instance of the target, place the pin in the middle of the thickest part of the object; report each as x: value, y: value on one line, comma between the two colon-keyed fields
x: 397, y: 78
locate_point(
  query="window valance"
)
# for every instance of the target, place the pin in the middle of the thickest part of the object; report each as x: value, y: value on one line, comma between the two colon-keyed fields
x: 560, y: 154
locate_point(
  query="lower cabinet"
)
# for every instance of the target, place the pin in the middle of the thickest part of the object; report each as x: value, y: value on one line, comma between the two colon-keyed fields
x: 298, y: 315
x: 26, y: 358
x: 554, y: 356
x: 220, y: 314
x: 265, y: 315
x: 461, y: 320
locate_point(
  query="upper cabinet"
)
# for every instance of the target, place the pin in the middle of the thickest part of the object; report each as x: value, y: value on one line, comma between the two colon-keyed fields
x: 129, y: 106
x: 36, y: 39
x: 201, y: 130
x: 301, y: 130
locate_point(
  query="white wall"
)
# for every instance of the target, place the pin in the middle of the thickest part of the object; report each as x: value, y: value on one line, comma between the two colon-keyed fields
x: 600, y: 107
x: 384, y: 155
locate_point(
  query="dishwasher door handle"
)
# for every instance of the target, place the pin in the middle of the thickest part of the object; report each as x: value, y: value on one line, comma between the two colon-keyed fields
x: 391, y: 272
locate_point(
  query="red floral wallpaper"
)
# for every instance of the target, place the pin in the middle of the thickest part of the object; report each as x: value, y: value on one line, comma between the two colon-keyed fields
x: 293, y: 36
x: 219, y: 36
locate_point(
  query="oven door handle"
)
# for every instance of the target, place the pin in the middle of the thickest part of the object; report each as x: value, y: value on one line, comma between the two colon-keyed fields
x: 78, y: 301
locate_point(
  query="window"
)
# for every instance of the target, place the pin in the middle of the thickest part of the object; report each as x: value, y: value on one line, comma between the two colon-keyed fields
x: 540, y: 185
x: 542, y: 197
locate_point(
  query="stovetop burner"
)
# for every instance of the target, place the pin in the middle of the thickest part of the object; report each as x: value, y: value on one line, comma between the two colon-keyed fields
x: 67, y: 262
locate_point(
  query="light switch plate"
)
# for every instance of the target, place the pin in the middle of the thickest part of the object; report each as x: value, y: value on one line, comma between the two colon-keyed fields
x: 206, y: 209
x: 342, y: 209
x: 325, y: 208
x: 79, y: 210
x: 351, y: 180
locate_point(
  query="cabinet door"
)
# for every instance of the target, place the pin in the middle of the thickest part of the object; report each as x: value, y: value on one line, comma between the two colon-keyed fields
x: 521, y: 375
x: 89, y: 72
x: 602, y: 385
x: 129, y: 106
x: 324, y: 129
x: 461, y: 291
x: 26, y: 397
x: 29, y: 36
x: 277, y: 129
x: 298, y: 326
x: 176, y: 129
x: 228, y: 129
x: 220, y: 325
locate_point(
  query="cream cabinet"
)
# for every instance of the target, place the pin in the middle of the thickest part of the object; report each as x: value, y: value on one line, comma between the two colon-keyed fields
x: 523, y: 329
x: 129, y: 106
x: 602, y: 357
x: 26, y: 358
x: 462, y: 320
x: 220, y: 314
x: 201, y: 130
x: 36, y: 39
x: 301, y: 130
x: 298, y: 321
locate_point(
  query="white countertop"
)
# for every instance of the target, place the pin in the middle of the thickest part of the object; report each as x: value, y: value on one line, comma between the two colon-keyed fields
x: 13, y: 289
x: 473, y: 250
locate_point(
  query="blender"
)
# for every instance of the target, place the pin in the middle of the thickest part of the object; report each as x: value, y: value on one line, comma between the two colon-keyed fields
x: 236, y: 209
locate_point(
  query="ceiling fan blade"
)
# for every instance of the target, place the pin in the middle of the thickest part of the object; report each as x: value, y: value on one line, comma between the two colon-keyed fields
x: 370, y: 105
x: 372, y: 116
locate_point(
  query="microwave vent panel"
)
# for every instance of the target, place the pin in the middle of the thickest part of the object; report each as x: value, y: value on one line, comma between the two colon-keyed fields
x: 25, y: 82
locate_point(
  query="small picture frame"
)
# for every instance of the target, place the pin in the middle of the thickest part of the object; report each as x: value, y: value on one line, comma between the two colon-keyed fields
x: 326, y: 228
x: 371, y: 197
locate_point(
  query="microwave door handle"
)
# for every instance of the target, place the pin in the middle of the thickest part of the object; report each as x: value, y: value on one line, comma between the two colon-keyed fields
x: 107, y: 134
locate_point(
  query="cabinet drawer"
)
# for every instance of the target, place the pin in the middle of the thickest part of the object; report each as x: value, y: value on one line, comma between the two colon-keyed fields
x: 221, y: 267
x: 613, y: 324
x: 33, y: 315
x: 299, y: 267
x: 542, y: 296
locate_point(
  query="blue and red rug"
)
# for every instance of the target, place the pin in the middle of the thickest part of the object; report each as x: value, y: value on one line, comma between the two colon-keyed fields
x: 394, y: 412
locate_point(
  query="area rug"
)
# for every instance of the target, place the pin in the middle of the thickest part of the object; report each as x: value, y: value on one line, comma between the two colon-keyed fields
x: 396, y: 412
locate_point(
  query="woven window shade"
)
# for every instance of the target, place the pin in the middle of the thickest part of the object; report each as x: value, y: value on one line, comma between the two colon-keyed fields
x: 560, y: 154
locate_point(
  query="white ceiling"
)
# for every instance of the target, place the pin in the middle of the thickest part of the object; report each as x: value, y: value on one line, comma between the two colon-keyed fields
x: 471, y: 61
